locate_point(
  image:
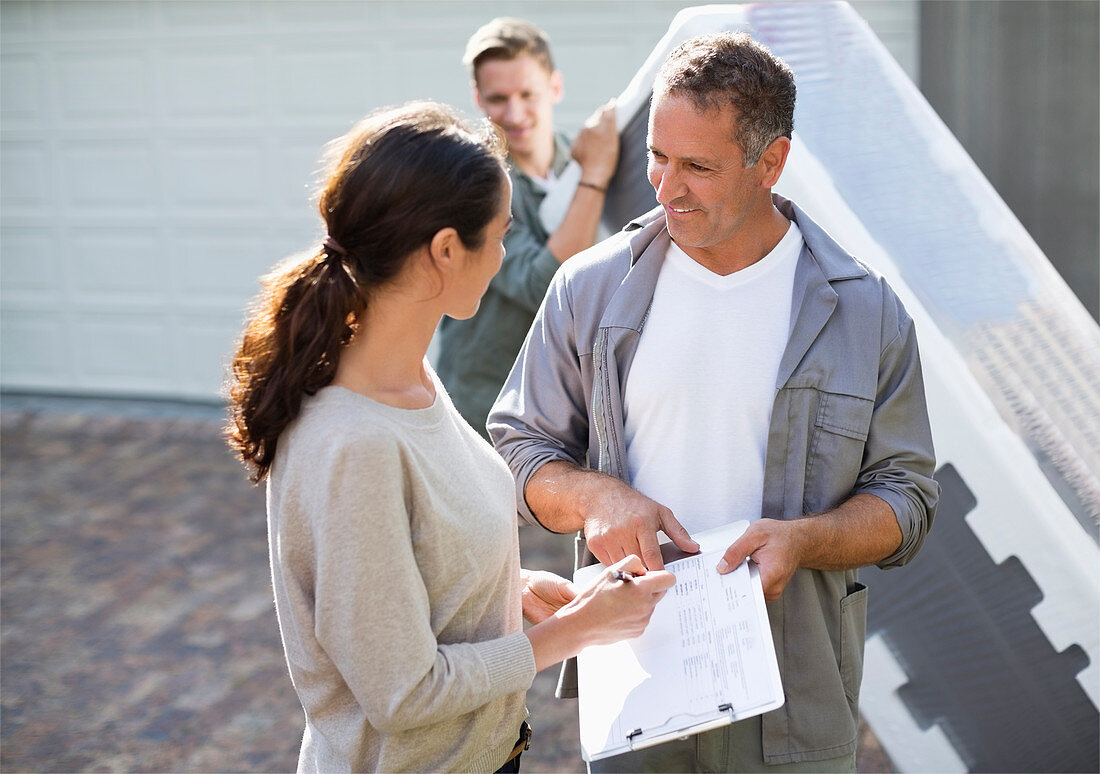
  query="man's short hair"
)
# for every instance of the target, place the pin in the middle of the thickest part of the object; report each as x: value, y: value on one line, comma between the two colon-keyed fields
x: 507, y: 38
x: 724, y: 68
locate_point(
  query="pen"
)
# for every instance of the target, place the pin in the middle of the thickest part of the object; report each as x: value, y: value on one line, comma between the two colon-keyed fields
x: 620, y: 575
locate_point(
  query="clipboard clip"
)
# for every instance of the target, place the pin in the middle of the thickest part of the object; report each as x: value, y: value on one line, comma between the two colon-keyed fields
x: 630, y: 737
x: 727, y: 707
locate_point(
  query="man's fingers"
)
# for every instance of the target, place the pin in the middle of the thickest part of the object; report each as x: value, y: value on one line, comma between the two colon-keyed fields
x: 631, y: 564
x: 651, y: 551
x: 677, y: 534
x: 608, y: 550
x: 602, y: 556
x: 738, y: 552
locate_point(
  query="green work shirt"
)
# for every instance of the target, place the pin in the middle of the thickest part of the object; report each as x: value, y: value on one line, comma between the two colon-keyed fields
x: 477, y: 354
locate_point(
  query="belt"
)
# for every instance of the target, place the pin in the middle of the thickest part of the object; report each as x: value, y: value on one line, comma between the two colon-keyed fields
x: 523, y: 743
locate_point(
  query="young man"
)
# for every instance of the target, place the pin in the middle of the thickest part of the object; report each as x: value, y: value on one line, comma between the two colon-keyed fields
x: 724, y: 359
x: 516, y: 85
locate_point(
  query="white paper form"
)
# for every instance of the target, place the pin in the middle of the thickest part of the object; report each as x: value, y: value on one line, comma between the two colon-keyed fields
x: 706, y: 658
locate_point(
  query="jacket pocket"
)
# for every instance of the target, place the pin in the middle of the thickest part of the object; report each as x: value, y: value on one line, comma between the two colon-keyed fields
x: 853, y: 633
x: 836, y: 449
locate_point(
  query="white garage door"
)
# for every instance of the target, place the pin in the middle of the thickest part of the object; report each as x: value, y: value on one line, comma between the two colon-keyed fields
x: 157, y: 157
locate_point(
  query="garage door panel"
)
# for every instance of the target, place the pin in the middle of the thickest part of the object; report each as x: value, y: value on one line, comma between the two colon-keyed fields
x: 108, y: 345
x: 199, y: 374
x: 109, y: 174
x: 118, y: 265
x: 297, y: 172
x: 212, y: 82
x: 29, y: 266
x: 24, y: 336
x: 207, y: 175
x: 206, y: 15
x: 93, y: 83
x: 313, y: 80
x: 326, y: 15
x: 223, y: 265
x: 106, y: 16
x: 24, y: 175
x: 21, y: 82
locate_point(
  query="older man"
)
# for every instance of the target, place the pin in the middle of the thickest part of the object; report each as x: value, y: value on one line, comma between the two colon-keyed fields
x: 723, y: 359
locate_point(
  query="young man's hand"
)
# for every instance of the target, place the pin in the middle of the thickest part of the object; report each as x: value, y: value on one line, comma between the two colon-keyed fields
x: 596, y: 148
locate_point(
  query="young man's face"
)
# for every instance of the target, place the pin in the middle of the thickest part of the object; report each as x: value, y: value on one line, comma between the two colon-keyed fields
x: 519, y: 95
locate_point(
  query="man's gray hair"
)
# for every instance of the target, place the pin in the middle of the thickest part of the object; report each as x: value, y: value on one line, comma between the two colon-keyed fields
x: 724, y: 68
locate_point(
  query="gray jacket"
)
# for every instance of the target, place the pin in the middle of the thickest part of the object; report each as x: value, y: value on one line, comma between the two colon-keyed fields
x: 849, y: 417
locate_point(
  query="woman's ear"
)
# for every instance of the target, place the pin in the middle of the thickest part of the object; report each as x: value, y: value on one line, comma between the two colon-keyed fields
x: 440, y: 259
x: 445, y: 248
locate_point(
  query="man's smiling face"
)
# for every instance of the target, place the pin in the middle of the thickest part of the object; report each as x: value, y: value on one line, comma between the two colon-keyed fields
x: 696, y: 168
x: 519, y: 95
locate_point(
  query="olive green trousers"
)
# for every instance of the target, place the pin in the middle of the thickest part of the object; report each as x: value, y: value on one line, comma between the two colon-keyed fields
x: 735, y: 749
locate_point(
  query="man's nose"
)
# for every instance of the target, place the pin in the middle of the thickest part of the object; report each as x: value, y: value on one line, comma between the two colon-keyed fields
x: 669, y: 185
x: 513, y: 112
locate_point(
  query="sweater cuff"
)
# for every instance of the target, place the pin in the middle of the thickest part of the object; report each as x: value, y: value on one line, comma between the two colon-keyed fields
x: 510, y: 662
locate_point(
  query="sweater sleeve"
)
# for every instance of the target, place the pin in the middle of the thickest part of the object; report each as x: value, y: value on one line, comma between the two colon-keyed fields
x: 373, y: 616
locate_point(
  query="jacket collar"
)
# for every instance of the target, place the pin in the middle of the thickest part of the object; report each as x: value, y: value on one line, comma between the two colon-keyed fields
x: 833, y: 260
x: 821, y: 263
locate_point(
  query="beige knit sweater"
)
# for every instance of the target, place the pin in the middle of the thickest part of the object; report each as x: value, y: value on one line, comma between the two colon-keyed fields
x: 395, y: 562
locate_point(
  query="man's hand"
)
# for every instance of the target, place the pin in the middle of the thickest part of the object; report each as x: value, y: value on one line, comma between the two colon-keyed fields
x: 776, y: 548
x: 543, y: 594
x: 620, y: 521
x: 860, y: 531
x: 596, y: 148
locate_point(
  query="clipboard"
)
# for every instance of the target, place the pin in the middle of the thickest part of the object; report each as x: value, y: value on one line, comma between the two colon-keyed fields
x: 706, y: 659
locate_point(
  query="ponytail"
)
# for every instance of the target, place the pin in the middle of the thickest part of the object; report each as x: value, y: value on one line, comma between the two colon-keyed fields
x: 391, y: 183
x: 290, y: 348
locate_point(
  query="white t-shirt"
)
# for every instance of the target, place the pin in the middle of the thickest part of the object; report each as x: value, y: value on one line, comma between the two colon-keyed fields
x: 699, y: 395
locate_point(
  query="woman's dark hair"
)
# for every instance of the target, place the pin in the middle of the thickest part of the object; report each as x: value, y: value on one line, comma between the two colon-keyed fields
x: 390, y: 184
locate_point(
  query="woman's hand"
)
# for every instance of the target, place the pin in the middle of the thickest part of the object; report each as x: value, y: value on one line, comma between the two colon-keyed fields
x: 607, y: 611
x: 544, y: 593
x: 612, y: 609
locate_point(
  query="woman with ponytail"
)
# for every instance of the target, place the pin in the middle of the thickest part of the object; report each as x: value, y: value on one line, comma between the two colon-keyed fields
x: 392, y: 523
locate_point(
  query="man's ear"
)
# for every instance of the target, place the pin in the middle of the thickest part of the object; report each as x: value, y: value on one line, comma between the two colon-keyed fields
x: 477, y: 95
x: 772, y: 161
x: 557, y: 87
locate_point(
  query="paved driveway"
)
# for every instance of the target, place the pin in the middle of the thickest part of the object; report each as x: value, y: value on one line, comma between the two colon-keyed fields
x: 137, y: 628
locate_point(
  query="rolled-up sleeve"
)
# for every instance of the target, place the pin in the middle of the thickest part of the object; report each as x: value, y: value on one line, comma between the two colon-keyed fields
x: 899, y: 459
